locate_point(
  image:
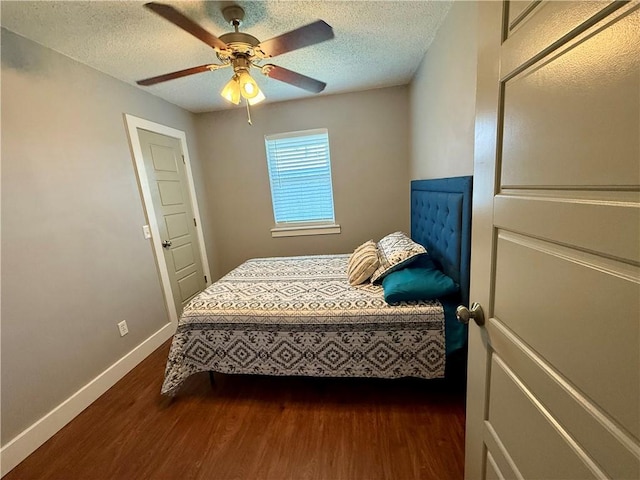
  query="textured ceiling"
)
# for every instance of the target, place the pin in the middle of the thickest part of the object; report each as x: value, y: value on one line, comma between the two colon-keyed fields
x: 376, y: 43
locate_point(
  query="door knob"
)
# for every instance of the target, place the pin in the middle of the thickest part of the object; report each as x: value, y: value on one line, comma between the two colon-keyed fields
x: 166, y: 243
x: 463, y: 314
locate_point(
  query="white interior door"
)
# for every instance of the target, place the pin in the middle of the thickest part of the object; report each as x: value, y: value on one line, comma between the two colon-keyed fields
x: 165, y: 171
x: 554, y: 374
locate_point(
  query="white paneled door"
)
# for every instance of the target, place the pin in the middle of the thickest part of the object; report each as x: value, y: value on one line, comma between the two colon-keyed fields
x: 554, y: 373
x: 168, y: 185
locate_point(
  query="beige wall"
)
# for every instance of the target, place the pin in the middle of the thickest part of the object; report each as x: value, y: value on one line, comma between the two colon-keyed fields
x: 443, y: 99
x: 368, y: 137
x: 74, y: 260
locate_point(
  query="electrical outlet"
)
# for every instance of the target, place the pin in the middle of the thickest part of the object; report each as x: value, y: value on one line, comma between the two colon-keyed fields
x: 122, y: 326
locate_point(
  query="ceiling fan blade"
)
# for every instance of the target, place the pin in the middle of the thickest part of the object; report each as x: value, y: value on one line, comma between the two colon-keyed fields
x: 311, y: 34
x: 170, y: 76
x: 174, y: 16
x: 294, y: 78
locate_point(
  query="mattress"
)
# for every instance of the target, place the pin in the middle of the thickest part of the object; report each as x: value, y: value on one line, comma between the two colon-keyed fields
x: 300, y: 316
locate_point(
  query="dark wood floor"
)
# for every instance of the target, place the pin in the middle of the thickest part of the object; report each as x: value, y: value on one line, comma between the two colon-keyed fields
x: 249, y: 427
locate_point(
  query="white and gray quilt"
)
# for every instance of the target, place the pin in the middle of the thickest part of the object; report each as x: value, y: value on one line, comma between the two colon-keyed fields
x: 300, y: 316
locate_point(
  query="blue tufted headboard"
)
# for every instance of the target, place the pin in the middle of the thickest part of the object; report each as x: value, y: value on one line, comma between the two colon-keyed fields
x: 441, y: 221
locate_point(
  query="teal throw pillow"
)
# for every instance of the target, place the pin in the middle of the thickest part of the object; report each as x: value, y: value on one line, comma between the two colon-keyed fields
x: 416, y: 284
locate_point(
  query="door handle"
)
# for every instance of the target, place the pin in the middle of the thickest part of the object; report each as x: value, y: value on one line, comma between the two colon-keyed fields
x: 463, y: 314
x: 166, y: 243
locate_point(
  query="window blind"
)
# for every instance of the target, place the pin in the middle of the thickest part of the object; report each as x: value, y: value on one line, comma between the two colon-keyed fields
x: 300, y: 177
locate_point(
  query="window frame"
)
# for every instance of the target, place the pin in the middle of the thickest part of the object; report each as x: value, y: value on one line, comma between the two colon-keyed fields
x: 310, y: 227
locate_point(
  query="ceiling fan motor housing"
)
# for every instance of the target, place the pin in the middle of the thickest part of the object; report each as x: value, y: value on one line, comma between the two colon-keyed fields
x: 240, y: 41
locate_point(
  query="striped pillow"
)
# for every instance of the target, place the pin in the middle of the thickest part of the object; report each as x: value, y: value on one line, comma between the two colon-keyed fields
x: 362, y: 263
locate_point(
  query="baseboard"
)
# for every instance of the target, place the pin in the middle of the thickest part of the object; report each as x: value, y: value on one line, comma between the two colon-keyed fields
x: 20, y: 447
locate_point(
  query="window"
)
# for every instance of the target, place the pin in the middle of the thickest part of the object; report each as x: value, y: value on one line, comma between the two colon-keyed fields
x: 300, y: 177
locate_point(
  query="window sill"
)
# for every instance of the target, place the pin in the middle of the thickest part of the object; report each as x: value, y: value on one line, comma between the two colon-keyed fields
x: 305, y: 230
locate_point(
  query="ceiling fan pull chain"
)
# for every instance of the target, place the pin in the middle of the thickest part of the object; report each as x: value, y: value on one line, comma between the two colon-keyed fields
x: 248, y: 112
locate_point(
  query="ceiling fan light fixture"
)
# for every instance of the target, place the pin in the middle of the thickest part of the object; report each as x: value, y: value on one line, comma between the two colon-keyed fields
x: 231, y: 91
x: 257, y: 99
x: 248, y: 86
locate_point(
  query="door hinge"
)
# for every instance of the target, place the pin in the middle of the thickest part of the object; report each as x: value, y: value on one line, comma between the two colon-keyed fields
x: 183, y: 160
x: 194, y: 223
x: 205, y: 279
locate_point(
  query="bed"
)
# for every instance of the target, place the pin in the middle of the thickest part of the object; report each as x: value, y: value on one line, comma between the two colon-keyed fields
x: 300, y: 316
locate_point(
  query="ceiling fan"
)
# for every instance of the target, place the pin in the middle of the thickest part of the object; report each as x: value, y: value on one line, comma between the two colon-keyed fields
x: 242, y: 51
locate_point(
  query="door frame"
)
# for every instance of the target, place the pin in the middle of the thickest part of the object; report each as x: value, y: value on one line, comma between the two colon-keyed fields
x: 133, y: 124
x: 483, y: 234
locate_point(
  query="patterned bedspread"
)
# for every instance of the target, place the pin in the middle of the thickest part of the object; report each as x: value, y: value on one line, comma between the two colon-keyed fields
x: 300, y: 316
